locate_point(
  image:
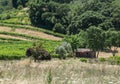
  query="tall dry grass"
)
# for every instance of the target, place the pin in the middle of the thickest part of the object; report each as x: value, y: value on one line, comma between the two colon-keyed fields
x: 70, y: 71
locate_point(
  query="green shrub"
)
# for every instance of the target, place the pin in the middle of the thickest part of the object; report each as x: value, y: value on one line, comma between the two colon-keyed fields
x: 114, y: 60
x: 64, y: 50
x: 5, y: 16
x: 59, y: 28
x: 62, y: 53
x: 20, y: 7
x: 55, y: 55
x: 83, y: 59
x: 68, y: 48
x: 38, y: 52
x: 102, y: 59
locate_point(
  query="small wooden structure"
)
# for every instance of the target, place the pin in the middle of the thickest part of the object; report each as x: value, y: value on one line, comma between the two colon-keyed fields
x: 85, y: 53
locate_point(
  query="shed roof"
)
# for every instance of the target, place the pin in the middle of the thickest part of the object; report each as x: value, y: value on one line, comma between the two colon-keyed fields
x: 83, y: 50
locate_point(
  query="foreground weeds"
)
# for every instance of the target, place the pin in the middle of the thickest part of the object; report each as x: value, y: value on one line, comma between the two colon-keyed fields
x: 70, y: 71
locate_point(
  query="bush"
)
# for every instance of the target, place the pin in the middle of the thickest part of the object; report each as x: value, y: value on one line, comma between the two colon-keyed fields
x: 102, y: 59
x: 38, y: 53
x: 59, y: 28
x: 5, y: 16
x: 68, y: 48
x: 114, y: 60
x: 83, y: 59
x: 64, y: 50
x: 62, y: 53
x: 20, y: 7
x: 55, y: 55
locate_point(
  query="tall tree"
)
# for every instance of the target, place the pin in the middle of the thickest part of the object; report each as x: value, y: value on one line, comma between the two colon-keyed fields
x: 112, y: 40
x: 95, y: 39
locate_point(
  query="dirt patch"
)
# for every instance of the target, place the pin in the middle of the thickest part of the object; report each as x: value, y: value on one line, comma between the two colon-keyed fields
x: 108, y: 54
x: 105, y: 54
x: 13, y: 37
x: 37, y: 34
x: 31, y: 33
x: 7, y: 29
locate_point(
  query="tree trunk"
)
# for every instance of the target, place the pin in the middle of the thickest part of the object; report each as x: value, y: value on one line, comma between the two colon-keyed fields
x: 114, y: 51
x: 97, y: 53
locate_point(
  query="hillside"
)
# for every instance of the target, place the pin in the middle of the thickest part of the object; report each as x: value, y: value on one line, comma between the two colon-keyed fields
x: 72, y: 16
x: 30, y: 20
x: 59, y: 41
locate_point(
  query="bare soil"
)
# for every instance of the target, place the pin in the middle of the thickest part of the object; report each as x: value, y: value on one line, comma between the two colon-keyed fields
x: 31, y: 33
x: 108, y: 54
x: 14, y: 37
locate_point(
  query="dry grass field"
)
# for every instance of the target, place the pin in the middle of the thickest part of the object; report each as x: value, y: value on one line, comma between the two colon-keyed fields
x: 70, y: 71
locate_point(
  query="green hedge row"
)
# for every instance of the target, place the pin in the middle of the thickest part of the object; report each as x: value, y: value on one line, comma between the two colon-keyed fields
x: 8, y: 39
x: 13, y: 22
x: 6, y: 57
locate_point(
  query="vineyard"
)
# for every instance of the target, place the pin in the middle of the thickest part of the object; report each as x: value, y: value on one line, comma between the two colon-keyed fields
x: 15, y: 41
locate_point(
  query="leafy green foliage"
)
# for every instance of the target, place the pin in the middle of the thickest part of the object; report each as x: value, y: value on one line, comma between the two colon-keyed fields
x: 64, y: 16
x: 95, y: 39
x: 90, y: 18
x: 16, y: 49
x: 49, y: 14
x: 83, y: 59
x: 112, y: 40
x: 77, y: 41
x: 64, y: 50
x: 73, y: 40
x: 18, y: 3
x: 38, y: 52
x: 74, y: 16
x: 4, y: 16
x: 13, y: 50
x: 59, y: 28
x: 15, y: 17
x: 102, y: 59
x: 5, y: 5
x: 114, y: 60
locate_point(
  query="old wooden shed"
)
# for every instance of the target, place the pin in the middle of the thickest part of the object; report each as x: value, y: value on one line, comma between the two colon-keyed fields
x: 85, y: 53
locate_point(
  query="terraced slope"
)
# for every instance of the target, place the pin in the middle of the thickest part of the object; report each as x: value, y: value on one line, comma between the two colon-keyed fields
x: 14, y: 37
x: 30, y: 33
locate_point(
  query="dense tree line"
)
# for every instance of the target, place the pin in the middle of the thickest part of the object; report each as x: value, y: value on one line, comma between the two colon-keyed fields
x: 95, y: 39
x: 69, y: 17
x: 9, y: 4
x: 5, y: 5
x: 17, y: 3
